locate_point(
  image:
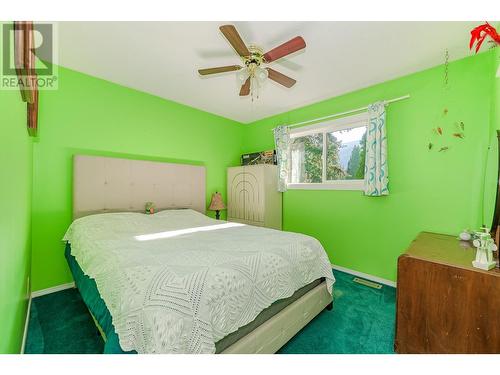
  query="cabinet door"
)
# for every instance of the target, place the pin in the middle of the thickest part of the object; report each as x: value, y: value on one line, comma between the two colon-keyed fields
x: 446, y: 308
x: 253, y: 193
x: 235, y: 195
x: 246, y: 193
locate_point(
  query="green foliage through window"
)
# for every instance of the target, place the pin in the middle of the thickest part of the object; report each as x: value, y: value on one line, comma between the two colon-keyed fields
x: 345, y: 156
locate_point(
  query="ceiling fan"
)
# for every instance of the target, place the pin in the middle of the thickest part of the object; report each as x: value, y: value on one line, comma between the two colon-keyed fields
x: 252, y: 74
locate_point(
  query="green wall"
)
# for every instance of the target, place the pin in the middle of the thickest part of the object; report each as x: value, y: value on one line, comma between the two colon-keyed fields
x: 15, y: 219
x: 496, y: 86
x: 92, y: 116
x: 431, y: 191
x: 496, y: 89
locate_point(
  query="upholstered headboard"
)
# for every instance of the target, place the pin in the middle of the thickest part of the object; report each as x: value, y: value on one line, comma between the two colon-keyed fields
x: 103, y: 184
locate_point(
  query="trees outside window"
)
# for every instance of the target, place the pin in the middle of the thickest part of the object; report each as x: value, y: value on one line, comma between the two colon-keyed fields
x: 329, y: 155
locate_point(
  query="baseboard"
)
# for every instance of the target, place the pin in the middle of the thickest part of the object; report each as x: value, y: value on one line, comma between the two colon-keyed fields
x: 26, y: 322
x: 365, y: 276
x: 54, y: 289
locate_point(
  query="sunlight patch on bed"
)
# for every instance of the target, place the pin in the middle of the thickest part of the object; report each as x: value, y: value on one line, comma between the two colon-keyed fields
x: 179, y: 232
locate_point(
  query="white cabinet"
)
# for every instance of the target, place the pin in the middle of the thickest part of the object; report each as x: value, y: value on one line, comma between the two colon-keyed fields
x: 252, y: 195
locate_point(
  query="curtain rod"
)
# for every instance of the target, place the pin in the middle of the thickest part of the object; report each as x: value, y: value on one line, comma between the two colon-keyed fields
x: 346, y: 113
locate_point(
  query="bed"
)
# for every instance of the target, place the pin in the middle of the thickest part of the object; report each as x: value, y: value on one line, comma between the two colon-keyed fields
x: 180, y: 282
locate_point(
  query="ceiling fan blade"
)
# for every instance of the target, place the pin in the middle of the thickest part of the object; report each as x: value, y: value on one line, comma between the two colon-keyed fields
x: 245, y: 88
x: 220, y: 69
x: 235, y: 40
x: 293, y: 45
x: 280, y: 78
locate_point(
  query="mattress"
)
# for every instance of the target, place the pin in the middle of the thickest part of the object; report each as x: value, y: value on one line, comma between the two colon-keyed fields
x: 180, y: 282
x: 102, y: 316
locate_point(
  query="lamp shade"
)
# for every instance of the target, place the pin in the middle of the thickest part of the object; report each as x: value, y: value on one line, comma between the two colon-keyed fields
x: 217, y: 204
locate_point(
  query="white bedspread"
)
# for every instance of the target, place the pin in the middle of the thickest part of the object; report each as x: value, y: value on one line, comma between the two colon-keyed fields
x: 178, y: 281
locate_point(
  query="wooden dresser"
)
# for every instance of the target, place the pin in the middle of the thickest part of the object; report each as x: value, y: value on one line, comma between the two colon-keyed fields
x: 444, y: 305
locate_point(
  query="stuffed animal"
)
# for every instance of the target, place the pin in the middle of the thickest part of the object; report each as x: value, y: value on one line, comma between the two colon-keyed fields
x: 150, y: 208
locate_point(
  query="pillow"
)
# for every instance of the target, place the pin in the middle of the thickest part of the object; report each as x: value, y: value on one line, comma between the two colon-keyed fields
x: 178, y: 212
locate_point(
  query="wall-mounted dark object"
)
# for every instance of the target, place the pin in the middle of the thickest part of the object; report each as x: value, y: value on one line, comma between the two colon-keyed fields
x: 491, y: 191
x: 24, y: 60
x: 495, y: 225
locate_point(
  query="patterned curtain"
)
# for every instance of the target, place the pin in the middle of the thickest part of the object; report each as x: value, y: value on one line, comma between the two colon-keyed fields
x: 376, y: 174
x: 282, y: 144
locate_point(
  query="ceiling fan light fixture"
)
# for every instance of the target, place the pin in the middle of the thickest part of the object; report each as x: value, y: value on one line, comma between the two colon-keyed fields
x: 242, y: 75
x: 252, y: 76
x: 261, y: 74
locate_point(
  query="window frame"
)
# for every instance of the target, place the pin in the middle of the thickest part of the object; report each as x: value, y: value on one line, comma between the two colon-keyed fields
x: 343, y: 123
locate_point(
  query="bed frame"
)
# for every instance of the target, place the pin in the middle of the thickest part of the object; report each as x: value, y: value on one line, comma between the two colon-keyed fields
x: 103, y: 184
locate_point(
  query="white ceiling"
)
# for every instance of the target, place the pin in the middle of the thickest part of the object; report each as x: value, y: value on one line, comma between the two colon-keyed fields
x: 162, y: 58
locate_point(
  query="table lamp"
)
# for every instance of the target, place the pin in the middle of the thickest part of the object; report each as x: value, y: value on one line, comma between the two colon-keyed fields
x: 217, y: 204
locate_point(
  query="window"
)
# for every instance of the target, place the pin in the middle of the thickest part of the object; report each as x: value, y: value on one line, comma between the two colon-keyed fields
x: 307, y: 158
x: 329, y: 155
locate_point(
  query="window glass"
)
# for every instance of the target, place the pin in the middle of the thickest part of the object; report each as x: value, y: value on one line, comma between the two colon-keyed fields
x: 345, y: 154
x: 307, y: 159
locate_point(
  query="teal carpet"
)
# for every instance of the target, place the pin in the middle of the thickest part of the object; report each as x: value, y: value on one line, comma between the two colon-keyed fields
x: 60, y: 323
x: 362, y: 321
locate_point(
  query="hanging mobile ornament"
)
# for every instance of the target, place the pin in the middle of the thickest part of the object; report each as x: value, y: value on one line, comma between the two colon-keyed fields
x: 437, y: 130
x: 446, y: 67
x: 446, y: 87
x: 443, y: 127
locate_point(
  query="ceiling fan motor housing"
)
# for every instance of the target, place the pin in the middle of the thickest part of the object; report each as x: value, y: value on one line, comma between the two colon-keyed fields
x: 256, y: 56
